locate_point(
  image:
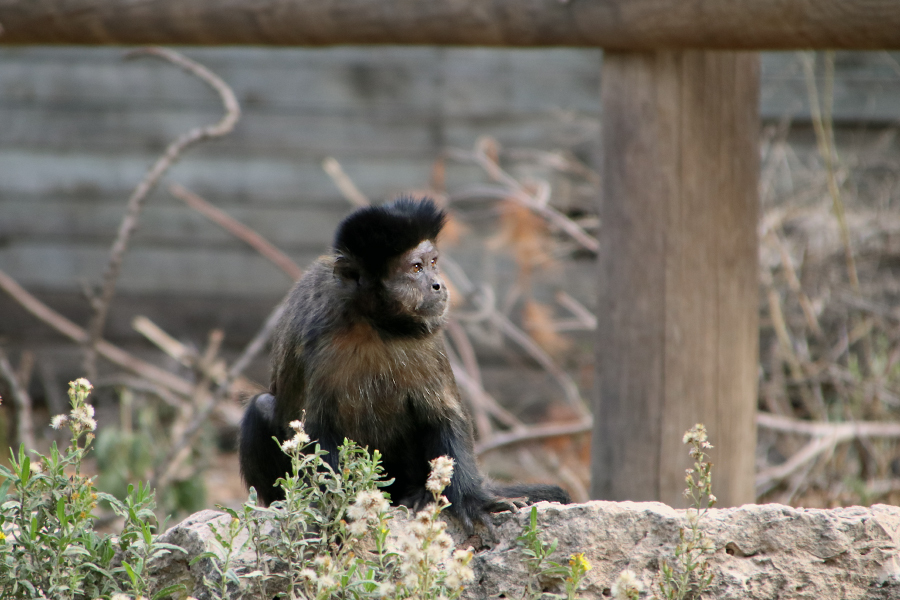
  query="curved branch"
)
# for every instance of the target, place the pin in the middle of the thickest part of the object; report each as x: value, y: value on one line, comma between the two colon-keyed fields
x: 535, y: 433
x: 143, y: 189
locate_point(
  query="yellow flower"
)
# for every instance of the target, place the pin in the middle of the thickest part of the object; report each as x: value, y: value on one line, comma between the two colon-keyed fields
x: 579, y: 563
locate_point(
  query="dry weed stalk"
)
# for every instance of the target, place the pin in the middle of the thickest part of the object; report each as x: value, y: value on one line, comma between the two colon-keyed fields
x: 833, y: 351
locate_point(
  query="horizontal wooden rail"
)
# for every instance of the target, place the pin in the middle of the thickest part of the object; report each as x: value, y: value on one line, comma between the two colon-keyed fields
x: 613, y: 24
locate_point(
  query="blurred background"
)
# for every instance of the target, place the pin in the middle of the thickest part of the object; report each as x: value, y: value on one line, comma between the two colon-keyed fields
x: 508, y: 141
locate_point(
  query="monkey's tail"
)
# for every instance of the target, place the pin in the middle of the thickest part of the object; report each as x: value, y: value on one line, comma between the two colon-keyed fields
x: 531, y: 492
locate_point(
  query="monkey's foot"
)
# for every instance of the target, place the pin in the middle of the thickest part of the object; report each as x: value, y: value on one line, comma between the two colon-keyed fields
x: 506, y: 504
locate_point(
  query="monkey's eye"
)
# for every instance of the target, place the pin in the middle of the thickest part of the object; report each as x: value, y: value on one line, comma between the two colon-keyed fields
x: 434, y: 261
x: 417, y: 267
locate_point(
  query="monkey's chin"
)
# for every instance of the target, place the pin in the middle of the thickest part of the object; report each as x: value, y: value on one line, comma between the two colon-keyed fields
x: 434, y: 310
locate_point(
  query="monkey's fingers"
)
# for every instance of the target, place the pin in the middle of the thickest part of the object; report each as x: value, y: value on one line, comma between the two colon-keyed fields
x: 505, y: 504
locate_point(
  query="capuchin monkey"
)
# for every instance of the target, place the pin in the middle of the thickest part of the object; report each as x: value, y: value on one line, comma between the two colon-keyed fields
x: 359, y: 354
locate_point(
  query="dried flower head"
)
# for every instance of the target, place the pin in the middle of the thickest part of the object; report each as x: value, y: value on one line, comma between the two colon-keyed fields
x: 441, y: 474
x: 627, y: 586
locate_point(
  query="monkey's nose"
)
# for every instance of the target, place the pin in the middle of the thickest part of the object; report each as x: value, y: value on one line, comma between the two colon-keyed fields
x: 436, y: 286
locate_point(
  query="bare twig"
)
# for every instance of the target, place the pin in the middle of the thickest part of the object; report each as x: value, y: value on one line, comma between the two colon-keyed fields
x: 184, y: 434
x: 825, y: 140
x: 825, y: 436
x: 26, y: 368
x: 534, y: 432
x: 585, y: 317
x: 143, y: 189
x: 479, y: 411
x: 843, y: 431
x: 465, y: 349
x: 238, y: 229
x: 21, y: 402
x: 261, y: 245
x: 344, y: 184
x: 794, y: 283
x: 522, y: 339
x: 163, y: 340
x: 258, y: 342
x: 570, y: 388
x: 787, y: 346
x: 72, y: 331
x: 522, y: 197
x: 480, y: 395
x: 183, y: 354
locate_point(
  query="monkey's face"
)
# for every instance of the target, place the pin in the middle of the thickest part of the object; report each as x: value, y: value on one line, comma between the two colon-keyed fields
x: 416, y: 283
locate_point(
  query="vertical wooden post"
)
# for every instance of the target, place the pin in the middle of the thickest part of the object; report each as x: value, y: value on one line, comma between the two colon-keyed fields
x: 678, y: 299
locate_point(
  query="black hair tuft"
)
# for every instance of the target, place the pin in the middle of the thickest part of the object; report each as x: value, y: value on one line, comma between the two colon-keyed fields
x: 373, y: 235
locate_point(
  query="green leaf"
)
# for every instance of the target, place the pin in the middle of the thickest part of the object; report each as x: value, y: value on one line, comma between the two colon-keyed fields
x: 24, y: 468
x: 4, y: 488
x: 131, y: 574
x: 201, y: 556
x: 171, y: 547
x: 171, y: 590
x: 61, y: 511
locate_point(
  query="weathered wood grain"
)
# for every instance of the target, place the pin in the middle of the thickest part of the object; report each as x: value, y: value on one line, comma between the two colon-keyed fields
x: 676, y: 338
x: 612, y: 24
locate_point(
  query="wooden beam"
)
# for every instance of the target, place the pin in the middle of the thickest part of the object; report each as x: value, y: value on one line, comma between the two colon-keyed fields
x: 678, y: 281
x: 612, y: 24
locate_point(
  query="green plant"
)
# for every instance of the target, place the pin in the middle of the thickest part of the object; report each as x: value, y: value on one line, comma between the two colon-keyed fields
x: 690, y: 573
x: 331, y: 535
x: 536, y: 556
x: 48, y: 547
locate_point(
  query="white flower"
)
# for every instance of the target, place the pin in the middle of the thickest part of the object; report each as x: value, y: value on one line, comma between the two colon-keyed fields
x: 358, y: 528
x: 410, y: 580
x: 626, y: 586
x: 459, y: 572
x: 58, y: 421
x: 290, y: 445
x: 443, y: 541
x: 299, y: 433
x: 308, y: 575
x: 441, y: 473
x: 385, y: 589
x: 84, y: 414
x: 436, y: 554
x: 82, y: 383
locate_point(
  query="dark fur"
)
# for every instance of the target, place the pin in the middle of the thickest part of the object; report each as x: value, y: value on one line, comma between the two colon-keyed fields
x: 359, y: 350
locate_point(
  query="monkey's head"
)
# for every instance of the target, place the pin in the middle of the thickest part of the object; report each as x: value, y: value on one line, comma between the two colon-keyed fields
x: 387, y: 258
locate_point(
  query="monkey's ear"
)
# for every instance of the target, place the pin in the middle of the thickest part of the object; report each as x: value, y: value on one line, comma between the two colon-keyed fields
x: 346, y: 269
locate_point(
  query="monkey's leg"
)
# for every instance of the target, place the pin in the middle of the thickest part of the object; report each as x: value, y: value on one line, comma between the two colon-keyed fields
x: 262, y: 461
x: 469, y: 500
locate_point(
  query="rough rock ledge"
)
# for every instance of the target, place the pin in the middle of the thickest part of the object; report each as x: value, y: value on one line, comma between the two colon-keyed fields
x: 766, y: 551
